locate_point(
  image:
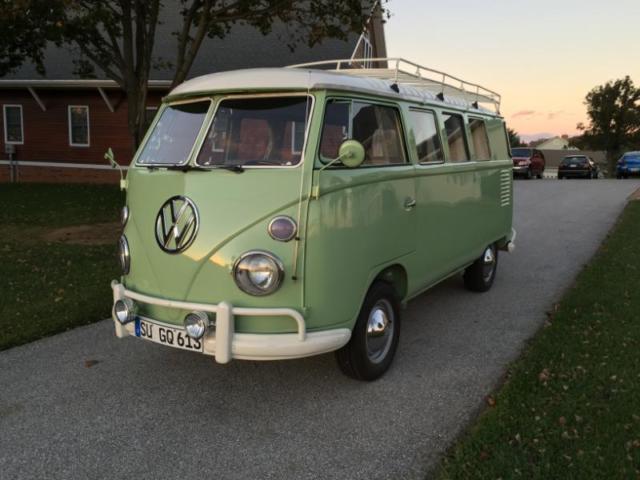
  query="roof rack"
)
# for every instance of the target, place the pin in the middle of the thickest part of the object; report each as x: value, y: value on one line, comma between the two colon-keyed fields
x: 404, y: 72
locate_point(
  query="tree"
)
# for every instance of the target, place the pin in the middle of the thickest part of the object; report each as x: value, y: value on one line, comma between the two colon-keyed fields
x: 514, y: 138
x: 117, y: 36
x: 614, y: 118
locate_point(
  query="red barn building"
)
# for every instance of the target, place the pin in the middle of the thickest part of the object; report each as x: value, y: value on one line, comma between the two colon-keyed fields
x: 57, y: 128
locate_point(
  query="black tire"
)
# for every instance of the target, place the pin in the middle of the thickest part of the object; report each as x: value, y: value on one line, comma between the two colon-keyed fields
x: 360, y: 359
x: 540, y: 176
x: 529, y: 174
x: 479, y: 276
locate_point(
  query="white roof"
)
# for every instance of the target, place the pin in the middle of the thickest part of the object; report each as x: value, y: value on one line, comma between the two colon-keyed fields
x: 279, y: 79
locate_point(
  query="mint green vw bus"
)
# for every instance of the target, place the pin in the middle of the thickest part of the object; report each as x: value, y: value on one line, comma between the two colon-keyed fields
x: 282, y: 213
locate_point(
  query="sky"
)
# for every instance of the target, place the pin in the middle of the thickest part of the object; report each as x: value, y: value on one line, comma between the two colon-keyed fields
x: 542, y: 56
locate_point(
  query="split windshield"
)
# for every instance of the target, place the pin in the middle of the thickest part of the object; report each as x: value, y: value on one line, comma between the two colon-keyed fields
x: 174, y: 134
x: 266, y: 131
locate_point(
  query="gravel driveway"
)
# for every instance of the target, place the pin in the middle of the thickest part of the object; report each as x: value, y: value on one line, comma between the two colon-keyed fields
x: 86, y: 405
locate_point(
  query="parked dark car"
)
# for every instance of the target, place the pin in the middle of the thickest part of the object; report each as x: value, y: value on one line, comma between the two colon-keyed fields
x: 527, y: 162
x: 628, y: 165
x: 577, y: 166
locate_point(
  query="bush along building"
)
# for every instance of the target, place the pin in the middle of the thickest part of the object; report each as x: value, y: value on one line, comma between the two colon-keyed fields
x: 57, y: 128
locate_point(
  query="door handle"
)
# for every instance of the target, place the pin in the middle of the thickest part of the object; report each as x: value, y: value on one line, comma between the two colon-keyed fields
x: 409, y: 203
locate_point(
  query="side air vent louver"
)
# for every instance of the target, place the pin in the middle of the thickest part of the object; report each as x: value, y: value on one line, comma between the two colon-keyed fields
x: 505, y: 188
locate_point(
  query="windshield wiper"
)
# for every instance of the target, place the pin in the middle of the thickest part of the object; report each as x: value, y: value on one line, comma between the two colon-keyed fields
x: 231, y: 168
x: 186, y: 168
x: 190, y: 168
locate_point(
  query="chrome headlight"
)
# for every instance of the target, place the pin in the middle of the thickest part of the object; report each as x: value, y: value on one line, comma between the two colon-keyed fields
x: 124, y: 215
x: 258, y: 273
x: 195, y: 324
x: 124, y: 255
x: 124, y: 311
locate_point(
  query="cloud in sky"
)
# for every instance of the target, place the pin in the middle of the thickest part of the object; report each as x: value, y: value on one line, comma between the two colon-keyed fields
x: 552, y: 115
x: 524, y: 113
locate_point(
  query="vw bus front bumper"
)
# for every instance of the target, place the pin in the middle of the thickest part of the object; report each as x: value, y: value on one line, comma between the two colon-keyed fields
x: 224, y: 343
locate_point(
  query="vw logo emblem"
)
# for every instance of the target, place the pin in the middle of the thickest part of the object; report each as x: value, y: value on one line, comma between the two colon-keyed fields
x: 177, y: 224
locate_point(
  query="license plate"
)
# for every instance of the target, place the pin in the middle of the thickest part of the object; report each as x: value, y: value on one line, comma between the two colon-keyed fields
x: 173, y: 337
x: 573, y: 166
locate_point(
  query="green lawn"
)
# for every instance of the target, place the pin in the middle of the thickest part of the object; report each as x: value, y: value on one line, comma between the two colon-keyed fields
x: 49, y: 286
x: 570, y: 407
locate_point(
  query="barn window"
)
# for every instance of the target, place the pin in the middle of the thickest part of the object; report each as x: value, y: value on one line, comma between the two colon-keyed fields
x: 78, y: 125
x: 13, y: 128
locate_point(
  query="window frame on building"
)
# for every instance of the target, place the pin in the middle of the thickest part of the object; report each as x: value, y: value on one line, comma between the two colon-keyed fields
x: 149, y: 121
x: 6, y: 130
x: 70, y: 126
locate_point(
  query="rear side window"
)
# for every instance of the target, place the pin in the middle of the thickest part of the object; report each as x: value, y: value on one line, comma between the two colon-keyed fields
x: 480, y: 139
x: 454, y: 128
x: 174, y: 134
x: 425, y: 131
x: 377, y: 127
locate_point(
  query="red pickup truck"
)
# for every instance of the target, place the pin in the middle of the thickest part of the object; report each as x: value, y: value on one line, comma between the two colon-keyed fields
x: 527, y: 162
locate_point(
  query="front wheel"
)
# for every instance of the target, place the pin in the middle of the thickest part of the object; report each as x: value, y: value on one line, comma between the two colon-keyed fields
x: 375, y: 336
x: 478, y: 277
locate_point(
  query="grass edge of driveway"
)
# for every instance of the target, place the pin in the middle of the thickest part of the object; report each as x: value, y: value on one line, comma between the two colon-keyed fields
x: 564, y: 409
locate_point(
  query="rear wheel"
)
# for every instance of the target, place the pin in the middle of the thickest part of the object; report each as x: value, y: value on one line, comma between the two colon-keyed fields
x: 375, y: 336
x: 479, y: 276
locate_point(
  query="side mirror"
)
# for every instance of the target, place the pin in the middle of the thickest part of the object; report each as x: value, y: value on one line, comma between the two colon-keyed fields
x: 112, y: 161
x: 351, y: 153
x: 110, y: 157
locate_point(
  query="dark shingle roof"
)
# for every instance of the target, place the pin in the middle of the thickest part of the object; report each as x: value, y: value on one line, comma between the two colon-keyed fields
x: 244, y: 47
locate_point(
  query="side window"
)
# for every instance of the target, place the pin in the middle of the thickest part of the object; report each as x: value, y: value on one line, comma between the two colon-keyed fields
x: 425, y: 131
x: 335, y: 129
x: 377, y: 127
x: 498, y: 138
x: 379, y: 130
x: 480, y: 139
x: 454, y: 128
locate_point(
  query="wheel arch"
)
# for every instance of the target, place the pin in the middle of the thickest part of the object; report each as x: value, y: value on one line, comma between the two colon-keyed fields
x: 396, y: 275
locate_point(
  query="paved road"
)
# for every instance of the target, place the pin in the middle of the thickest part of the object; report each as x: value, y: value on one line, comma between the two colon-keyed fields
x: 144, y: 411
